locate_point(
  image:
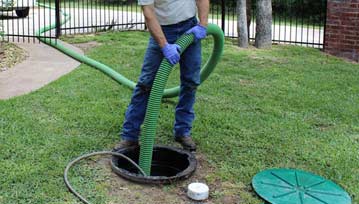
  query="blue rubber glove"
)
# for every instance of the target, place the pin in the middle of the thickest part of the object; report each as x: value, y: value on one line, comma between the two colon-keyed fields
x: 198, y: 31
x: 172, y: 53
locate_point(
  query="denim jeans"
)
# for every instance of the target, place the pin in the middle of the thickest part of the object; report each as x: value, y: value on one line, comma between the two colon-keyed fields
x: 190, y: 64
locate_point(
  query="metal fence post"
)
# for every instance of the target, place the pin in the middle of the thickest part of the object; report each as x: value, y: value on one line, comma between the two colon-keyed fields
x: 57, y: 18
x: 325, y: 24
x: 223, y: 11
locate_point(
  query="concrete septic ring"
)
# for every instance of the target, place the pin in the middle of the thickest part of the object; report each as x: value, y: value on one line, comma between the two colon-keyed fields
x: 169, y: 164
x: 290, y: 186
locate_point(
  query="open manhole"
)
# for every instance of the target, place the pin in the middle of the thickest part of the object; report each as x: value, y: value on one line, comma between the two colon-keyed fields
x: 169, y: 164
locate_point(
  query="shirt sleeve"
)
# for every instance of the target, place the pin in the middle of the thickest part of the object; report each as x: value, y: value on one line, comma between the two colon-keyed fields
x: 145, y: 2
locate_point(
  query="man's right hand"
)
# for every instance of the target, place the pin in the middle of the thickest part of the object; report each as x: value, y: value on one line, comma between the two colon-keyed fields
x: 172, y: 53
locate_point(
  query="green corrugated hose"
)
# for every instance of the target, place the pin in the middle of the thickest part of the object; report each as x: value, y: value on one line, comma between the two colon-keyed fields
x: 158, y: 88
x: 153, y: 108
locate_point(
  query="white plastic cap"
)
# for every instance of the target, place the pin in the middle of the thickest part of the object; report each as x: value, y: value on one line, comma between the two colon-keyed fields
x: 198, y: 191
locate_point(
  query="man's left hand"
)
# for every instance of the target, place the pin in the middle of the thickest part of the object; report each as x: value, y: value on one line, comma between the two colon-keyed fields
x: 199, y: 32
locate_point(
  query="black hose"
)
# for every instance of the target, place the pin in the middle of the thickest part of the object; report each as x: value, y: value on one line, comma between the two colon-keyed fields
x: 73, y: 162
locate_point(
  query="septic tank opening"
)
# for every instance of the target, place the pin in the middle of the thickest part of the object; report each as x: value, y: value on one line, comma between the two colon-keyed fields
x: 169, y: 164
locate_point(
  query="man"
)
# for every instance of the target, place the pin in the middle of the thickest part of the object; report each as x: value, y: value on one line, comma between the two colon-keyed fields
x: 167, y: 20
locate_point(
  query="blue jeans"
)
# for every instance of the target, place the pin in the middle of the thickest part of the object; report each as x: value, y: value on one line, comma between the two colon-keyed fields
x: 190, y: 64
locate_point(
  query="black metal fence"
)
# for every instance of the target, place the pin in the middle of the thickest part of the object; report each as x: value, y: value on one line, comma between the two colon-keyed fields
x: 294, y: 21
x: 299, y: 22
x: 88, y: 16
x: 21, y: 19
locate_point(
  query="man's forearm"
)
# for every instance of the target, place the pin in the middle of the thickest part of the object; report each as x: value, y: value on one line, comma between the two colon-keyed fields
x: 203, y: 10
x: 153, y: 25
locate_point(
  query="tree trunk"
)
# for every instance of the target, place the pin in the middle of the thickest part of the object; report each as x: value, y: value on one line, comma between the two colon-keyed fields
x: 264, y: 24
x: 249, y: 17
x: 242, y: 26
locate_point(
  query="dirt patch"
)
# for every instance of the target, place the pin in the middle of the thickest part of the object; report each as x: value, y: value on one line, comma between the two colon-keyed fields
x: 322, y: 126
x: 121, y: 191
x: 10, y: 55
x: 266, y: 59
x: 86, y: 46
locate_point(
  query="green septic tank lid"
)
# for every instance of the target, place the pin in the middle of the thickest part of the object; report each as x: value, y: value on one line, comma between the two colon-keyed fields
x: 290, y: 186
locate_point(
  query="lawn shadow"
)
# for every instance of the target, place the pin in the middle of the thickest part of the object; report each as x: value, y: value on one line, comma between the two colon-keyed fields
x: 169, y: 102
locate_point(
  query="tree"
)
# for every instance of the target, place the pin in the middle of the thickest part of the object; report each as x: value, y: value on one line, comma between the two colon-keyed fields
x: 249, y: 15
x: 264, y: 24
x: 242, y: 25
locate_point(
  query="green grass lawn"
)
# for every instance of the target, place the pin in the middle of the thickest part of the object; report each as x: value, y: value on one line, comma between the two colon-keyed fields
x: 290, y: 107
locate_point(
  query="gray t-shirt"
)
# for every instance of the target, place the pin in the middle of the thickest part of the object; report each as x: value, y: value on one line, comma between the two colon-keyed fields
x: 172, y: 11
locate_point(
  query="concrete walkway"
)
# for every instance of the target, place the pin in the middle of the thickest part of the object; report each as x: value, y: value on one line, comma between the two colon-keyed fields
x: 43, y: 65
